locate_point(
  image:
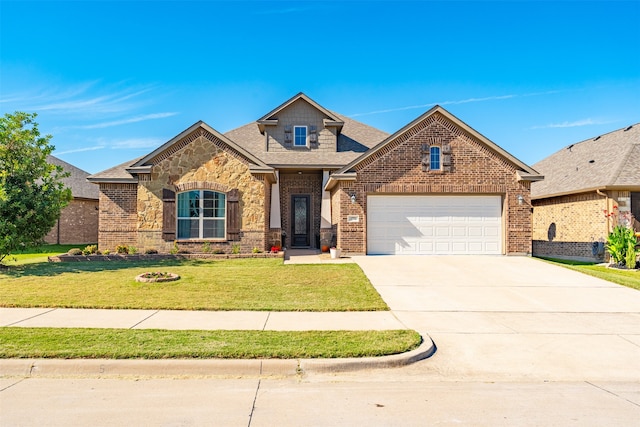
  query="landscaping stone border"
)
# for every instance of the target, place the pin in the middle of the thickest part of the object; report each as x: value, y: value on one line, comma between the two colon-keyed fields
x: 156, y: 257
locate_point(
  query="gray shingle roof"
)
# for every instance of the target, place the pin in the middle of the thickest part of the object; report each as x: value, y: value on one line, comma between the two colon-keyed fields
x: 607, y: 161
x: 354, y: 139
x: 77, y: 180
x: 115, y: 174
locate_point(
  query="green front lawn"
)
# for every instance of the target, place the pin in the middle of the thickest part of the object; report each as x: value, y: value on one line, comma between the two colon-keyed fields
x: 239, y: 284
x: 78, y: 343
x: 629, y: 278
x: 39, y: 254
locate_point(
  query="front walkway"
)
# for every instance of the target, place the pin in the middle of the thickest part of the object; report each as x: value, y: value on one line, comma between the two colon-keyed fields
x: 312, y: 256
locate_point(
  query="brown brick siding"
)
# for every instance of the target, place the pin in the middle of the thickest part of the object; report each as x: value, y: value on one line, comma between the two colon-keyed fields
x: 78, y: 224
x: 475, y: 169
x: 118, y: 216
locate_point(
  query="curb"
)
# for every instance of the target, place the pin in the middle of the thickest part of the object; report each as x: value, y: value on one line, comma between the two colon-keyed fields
x: 47, y: 368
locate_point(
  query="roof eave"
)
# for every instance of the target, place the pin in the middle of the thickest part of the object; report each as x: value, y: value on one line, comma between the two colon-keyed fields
x: 112, y: 180
x: 337, y: 177
x: 633, y: 188
x: 524, y: 176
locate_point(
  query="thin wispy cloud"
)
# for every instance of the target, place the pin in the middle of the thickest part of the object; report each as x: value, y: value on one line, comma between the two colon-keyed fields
x: 135, y: 143
x: 79, y: 150
x: 83, y: 98
x: 577, y: 123
x: 454, y: 102
x: 128, y: 121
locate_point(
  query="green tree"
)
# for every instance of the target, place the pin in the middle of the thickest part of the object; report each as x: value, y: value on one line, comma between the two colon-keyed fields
x: 31, y: 191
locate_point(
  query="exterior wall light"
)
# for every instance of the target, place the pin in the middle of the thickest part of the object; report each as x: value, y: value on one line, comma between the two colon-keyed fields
x: 353, y: 198
x: 520, y: 199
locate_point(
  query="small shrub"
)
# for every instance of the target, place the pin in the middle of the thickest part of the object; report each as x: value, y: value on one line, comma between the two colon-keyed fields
x: 151, y: 251
x: 90, y: 250
x: 132, y: 250
x: 275, y: 249
x: 206, y: 247
x: 75, y: 251
x: 106, y: 252
x: 618, y: 243
x: 235, y: 248
x: 122, y: 249
x: 256, y: 251
x: 174, y: 250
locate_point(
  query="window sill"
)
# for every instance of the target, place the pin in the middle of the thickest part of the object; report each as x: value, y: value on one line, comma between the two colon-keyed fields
x: 212, y: 240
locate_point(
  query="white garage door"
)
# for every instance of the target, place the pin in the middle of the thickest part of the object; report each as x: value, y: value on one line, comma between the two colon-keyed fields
x: 419, y: 225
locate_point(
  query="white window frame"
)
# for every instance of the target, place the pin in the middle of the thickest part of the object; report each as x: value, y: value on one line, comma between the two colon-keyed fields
x: 201, y: 218
x: 295, y: 136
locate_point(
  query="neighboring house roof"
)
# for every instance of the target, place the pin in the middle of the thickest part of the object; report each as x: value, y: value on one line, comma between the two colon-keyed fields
x: 609, y: 161
x: 525, y: 172
x: 77, y: 180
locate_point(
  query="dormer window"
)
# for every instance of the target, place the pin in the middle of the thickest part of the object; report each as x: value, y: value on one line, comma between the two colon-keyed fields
x: 299, y: 136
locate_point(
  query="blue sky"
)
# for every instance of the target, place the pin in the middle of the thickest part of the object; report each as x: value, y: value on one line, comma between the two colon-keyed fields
x: 112, y: 80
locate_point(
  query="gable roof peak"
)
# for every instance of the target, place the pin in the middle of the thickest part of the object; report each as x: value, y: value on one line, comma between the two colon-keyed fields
x: 271, y: 118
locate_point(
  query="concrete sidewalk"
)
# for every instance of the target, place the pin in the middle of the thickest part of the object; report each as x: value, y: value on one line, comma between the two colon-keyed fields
x: 199, y: 320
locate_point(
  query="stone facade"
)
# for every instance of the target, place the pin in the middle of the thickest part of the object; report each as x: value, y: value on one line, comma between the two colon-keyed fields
x: 78, y: 224
x: 397, y: 169
x: 132, y: 214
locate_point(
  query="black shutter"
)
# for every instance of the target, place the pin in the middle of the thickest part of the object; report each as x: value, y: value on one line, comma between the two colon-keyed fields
x: 168, y: 215
x: 233, y: 215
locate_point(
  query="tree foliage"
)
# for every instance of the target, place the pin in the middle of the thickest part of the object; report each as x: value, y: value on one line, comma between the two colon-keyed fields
x: 31, y: 191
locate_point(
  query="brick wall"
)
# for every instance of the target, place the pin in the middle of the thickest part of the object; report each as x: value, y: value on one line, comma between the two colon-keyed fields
x: 118, y: 216
x: 78, y: 224
x: 567, y: 226
x: 475, y: 169
x: 295, y: 184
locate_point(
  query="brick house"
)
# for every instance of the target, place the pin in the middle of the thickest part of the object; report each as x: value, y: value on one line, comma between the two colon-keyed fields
x: 78, y: 222
x: 304, y: 176
x: 582, y: 181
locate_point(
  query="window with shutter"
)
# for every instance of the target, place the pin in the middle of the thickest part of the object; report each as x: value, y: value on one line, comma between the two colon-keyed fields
x: 233, y: 215
x: 201, y: 215
x: 299, y: 136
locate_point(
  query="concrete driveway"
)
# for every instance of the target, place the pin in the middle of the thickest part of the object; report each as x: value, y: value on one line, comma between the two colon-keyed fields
x: 511, y: 318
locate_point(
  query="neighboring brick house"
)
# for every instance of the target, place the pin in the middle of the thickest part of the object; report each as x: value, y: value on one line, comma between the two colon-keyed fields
x: 318, y: 178
x: 583, y: 182
x: 78, y: 222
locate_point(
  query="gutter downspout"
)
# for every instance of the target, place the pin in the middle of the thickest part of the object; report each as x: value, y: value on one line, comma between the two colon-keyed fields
x: 606, y: 197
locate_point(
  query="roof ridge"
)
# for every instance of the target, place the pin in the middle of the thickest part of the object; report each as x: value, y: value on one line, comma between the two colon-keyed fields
x: 616, y: 174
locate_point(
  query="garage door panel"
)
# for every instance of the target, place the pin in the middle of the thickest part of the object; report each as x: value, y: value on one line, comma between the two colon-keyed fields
x: 434, y: 224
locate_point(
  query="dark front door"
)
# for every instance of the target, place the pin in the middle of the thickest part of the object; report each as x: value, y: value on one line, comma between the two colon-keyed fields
x: 300, y: 221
